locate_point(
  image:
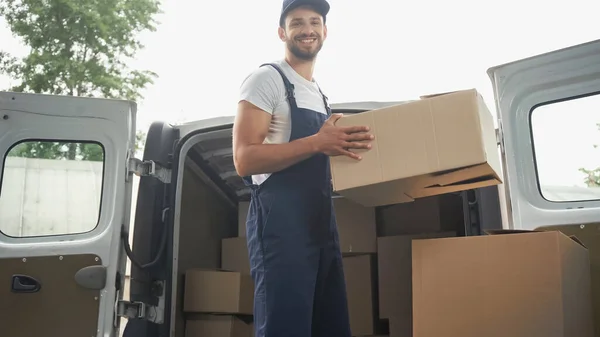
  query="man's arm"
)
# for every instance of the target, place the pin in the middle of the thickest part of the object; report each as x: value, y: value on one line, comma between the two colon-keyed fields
x: 251, y: 156
x: 260, y: 94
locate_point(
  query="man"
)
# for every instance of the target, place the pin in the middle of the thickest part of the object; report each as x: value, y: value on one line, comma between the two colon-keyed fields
x: 282, y: 137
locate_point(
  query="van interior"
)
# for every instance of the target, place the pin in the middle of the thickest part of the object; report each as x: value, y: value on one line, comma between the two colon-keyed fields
x: 207, y: 193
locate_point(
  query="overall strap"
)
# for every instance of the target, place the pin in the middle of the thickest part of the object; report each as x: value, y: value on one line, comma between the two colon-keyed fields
x: 289, y: 87
x: 325, y: 101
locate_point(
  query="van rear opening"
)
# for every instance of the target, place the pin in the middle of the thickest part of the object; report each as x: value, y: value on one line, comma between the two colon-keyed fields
x: 209, y: 237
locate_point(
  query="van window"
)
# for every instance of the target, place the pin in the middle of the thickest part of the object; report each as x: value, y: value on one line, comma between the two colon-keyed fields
x: 565, y: 136
x: 51, y: 188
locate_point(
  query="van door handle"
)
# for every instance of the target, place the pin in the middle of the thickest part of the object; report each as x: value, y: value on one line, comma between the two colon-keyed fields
x: 25, y: 284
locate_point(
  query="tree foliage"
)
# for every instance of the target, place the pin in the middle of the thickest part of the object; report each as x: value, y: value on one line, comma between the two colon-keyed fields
x: 78, y: 48
x: 592, y: 176
x: 58, y: 151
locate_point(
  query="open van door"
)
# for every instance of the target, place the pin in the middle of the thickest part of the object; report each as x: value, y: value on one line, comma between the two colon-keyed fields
x: 150, y: 281
x: 65, y: 193
x: 549, y: 109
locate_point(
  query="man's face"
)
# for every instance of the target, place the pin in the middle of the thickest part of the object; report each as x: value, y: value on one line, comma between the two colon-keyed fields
x: 304, y: 33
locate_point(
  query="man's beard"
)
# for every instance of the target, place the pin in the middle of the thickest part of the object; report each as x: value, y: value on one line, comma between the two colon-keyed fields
x: 303, y: 54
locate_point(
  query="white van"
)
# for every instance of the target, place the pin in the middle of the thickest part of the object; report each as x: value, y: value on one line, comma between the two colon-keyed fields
x: 63, y: 256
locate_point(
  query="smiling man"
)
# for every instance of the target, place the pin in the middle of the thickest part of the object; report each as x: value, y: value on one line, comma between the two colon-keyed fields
x: 283, y: 136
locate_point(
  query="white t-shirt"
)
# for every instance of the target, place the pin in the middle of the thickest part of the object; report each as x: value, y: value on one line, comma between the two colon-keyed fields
x: 265, y: 89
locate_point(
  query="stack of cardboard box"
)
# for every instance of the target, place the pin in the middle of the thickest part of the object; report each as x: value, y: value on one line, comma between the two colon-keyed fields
x: 204, y: 288
x: 358, y: 242
x: 218, y: 303
x: 433, y: 284
x: 357, y: 229
x: 399, y: 226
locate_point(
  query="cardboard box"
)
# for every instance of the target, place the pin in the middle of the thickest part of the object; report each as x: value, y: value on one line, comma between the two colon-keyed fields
x: 357, y: 228
x: 218, y: 292
x: 439, y: 144
x: 234, y: 255
x: 589, y: 235
x: 361, y: 293
x: 217, y: 326
x: 394, y: 265
x: 534, y: 284
x: 431, y: 214
x: 400, y: 327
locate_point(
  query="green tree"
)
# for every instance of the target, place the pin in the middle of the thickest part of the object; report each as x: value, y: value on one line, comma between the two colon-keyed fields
x: 78, y: 48
x: 140, y: 140
x: 592, y: 176
x: 58, y: 151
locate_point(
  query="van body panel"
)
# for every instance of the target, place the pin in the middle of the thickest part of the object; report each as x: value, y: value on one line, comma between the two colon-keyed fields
x: 64, y: 199
x: 152, y: 243
x: 548, y: 113
x: 521, y: 89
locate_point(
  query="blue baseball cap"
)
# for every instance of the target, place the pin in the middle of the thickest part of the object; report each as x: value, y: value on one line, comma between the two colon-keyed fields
x: 321, y: 6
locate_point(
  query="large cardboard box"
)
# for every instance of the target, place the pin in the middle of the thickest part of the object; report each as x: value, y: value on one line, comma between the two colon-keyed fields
x: 218, y: 292
x: 394, y: 259
x: 439, y: 144
x: 534, y: 284
x: 234, y: 255
x: 362, y: 294
x: 589, y: 235
x: 357, y: 228
x: 217, y: 326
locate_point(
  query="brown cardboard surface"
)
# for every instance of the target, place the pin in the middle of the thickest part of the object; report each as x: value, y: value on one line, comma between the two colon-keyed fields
x: 589, y: 236
x: 521, y: 231
x: 234, y: 255
x: 518, y: 285
x: 437, y: 145
x: 217, y: 326
x: 360, y: 285
x: 400, y: 327
x: 213, y: 291
x: 394, y: 259
x: 243, y: 207
x: 357, y: 228
x: 425, y: 215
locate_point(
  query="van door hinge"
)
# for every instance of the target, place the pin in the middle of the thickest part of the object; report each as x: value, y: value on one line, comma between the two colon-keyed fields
x: 139, y: 310
x: 149, y: 168
x: 143, y: 311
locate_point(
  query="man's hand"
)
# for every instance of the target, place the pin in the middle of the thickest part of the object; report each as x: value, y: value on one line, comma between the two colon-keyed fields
x: 337, y: 140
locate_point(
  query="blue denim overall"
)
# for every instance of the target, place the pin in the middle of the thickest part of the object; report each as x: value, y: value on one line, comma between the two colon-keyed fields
x: 293, y: 243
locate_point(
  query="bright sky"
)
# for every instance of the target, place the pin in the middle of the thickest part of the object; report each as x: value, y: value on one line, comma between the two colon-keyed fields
x: 376, y: 50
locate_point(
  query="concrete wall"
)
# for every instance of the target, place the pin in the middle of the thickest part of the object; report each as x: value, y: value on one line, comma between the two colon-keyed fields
x: 49, y: 197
